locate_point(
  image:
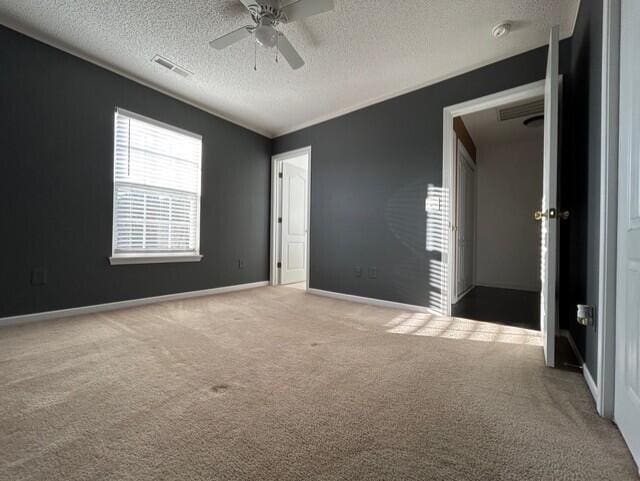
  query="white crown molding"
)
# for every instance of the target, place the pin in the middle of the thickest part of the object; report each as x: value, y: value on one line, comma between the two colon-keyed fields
x: 112, y: 306
x: 29, y: 32
x: 408, y: 90
x: 266, y: 133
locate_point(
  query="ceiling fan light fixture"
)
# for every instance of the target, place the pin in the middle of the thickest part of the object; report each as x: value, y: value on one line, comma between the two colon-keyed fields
x: 266, y: 35
x: 267, y: 15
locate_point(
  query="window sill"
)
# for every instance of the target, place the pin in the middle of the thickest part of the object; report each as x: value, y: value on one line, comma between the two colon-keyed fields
x: 123, y: 259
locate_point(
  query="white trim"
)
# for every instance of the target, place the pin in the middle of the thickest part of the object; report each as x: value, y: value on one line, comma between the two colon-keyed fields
x: 591, y: 383
x: 276, y: 194
x: 112, y: 306
x: 463, y: 294
x: 605, y: 320
x: 510, y: 287
x: 274, y: 278
x: 30, y: 32
x: 408, y: 90
x: 371, y: 301
x: 119, y: 258
x: 567, y: 334
x: 157, y: 123
x: 124, y: 259
x: 524, y: 92
x: 471, y: 163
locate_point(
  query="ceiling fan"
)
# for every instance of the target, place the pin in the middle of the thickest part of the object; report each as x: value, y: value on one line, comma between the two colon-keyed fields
x: 267, y: 16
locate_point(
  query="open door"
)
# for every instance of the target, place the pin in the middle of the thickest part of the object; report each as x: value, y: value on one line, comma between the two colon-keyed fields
x: 627, y: 376
x: 548, y: 214
x: 465, y: 221
x: 294, y: 224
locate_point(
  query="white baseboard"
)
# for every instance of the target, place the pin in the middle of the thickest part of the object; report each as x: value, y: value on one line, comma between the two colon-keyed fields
x: 372, y: 301
x: 112, y: 306
x: 567, y: 334
x: 591, y: 384
x: 593, y: 387
x: 512, y: 287
x: 458, y: 298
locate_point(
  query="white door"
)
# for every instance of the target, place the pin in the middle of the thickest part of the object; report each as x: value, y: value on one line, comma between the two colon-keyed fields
x: 548, y: 264
x: 294, y: 224
x: 627, y: 378
x: 465, y: 224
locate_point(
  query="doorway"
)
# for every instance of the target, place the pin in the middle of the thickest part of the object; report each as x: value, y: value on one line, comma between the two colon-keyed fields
x: 290, y: 215
x: 445, y: 204
x: 498, y: 179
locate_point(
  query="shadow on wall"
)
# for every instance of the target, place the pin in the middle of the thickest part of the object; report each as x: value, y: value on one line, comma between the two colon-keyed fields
x: 427, y: 244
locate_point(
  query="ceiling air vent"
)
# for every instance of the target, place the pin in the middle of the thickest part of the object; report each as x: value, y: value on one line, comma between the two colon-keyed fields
x: 168, y: 64
x: 523, y: 110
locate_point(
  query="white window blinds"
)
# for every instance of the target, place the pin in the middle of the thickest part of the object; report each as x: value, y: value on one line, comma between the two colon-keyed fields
x: 157, y: 170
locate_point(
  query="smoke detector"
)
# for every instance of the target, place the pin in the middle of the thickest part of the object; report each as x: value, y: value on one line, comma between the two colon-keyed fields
x: 501, y: 30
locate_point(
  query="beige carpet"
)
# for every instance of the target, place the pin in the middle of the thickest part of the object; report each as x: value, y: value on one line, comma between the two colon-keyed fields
x: 275, y: 384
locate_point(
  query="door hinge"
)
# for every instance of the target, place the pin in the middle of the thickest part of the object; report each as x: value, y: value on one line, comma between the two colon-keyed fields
x: 280, y: 174
x: 279, y: 265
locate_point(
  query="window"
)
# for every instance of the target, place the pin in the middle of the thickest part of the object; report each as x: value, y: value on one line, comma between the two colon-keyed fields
x: 156, y: 192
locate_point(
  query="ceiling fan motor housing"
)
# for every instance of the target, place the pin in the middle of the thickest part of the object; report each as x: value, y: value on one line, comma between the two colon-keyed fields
x: 267, y: 18
x: 267, y: 15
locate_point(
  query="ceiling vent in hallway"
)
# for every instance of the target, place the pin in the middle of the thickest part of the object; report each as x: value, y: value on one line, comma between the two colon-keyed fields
x: 168, y: 64
x: 535, y: 107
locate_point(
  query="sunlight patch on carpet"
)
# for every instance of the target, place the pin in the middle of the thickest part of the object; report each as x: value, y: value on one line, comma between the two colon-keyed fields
x: 424, y: 324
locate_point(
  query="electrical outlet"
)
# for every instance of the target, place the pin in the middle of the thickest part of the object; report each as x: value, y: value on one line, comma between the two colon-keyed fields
x: 358, y: 271
x: 240, y: 264
x: 38, y: 276
x: 373, y: 272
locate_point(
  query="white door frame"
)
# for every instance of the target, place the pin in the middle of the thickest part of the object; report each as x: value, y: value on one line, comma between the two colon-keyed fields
x: 455, y: 297
x: 276, y: 199
x: 606, y: 313
x: 449, y: 202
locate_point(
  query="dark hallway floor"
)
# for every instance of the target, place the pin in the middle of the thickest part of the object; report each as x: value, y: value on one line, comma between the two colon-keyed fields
x: 513, y: 308
x: 503, y: 306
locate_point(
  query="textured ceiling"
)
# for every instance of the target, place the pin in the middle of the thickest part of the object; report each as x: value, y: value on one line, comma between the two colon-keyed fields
x: 485, y: 128
x: 363, y: 51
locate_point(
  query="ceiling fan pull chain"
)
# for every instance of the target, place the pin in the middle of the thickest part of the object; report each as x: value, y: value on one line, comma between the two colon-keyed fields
x: 277, y: 46
x: 255, y: 53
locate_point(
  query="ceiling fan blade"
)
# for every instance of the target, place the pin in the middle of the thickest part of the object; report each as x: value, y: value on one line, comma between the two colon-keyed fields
x: 247, y: 3
x: 230, y: 38
x: 289, y: 53
x: 306, y: 8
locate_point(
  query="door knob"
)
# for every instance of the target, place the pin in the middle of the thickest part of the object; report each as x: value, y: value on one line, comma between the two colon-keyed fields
x: 551, y: 214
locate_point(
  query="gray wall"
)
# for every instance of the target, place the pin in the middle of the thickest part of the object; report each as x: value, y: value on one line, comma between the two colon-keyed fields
x: 509, y: 190
x: 56, y: 132
x: 580, y: 176
x: 371, y: 171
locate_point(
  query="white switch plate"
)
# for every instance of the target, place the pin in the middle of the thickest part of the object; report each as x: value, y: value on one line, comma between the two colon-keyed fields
x: 432, y: 204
